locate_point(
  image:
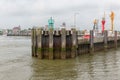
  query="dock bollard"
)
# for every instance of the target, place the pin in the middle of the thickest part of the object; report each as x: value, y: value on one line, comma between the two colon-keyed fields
x: 63, y: 43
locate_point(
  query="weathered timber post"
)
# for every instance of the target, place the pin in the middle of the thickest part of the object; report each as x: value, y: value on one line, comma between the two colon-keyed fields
x: 91, y: 41
x: 77, y: 33
x: 35, y: 41
x: 63, y: 43
x: 51, y: 55
x: 74, y: 43
x: 105, y: 40
x: 33, y: 47
x: 115, y: 39
x: 39, y: 43
x: 57, y: 44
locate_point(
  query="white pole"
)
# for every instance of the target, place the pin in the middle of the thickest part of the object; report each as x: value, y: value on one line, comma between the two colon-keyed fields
x: 75, y: 19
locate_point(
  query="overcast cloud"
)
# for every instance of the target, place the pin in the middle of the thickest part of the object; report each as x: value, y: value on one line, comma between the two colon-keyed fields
x: 29, y: 13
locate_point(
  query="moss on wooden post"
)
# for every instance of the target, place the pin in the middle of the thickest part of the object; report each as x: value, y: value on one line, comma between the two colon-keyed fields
x: 63, y: 45
x: 51, y: 55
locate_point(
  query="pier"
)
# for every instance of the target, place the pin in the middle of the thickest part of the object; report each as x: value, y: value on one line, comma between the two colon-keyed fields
x: 64, y: 44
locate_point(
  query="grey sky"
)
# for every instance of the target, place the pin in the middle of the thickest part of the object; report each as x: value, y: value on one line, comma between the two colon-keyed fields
x: 29, y: 13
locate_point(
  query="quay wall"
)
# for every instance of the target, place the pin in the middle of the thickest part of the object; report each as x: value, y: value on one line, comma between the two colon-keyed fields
x: 64, y: 44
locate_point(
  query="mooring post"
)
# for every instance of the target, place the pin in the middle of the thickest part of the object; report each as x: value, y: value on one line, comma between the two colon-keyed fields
x: 91, y: 41
x: 39, y: 43
x: 63, y: 43
x: 34, y: 42
x: 74, y: 43
x: 77, y: 33
x: 105, y: 40
x: 115, y: 39
x: 51, y: 55
x: 32, y: 36
x: 35, y: 36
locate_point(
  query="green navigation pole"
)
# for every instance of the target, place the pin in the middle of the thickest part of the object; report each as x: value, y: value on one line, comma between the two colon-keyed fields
x: 51, y: 23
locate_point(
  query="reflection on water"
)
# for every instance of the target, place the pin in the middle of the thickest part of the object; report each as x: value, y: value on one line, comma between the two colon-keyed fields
x: 16, y: 63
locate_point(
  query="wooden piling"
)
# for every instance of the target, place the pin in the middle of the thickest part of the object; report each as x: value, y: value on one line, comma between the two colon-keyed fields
x: 63, y: 45
x: 45, y: 44
x: 32, y: 39
x: 39, y: 43
x: 74, y: 43
x: 34, y: 46
x: 105, y: 40
x: 57, y: 44
x: 35, y: 42
x: 51, y: 55
x: 91, y: 41
x: 115, y: 39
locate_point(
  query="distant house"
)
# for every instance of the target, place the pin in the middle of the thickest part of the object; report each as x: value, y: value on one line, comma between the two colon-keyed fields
x: 25, y: 32
x: 16, y: 30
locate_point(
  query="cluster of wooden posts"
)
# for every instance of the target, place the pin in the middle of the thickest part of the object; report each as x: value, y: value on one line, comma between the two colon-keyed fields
x: 63, y: 44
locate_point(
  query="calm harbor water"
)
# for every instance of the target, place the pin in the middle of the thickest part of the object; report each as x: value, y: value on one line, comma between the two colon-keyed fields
x: 16, y: 63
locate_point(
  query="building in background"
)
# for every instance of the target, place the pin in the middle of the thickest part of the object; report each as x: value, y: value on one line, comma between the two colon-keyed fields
x: 25, y: 32
x: 16, y: 30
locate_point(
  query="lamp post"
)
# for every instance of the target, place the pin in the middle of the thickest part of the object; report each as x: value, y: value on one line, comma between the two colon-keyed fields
x: 75, y: 19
